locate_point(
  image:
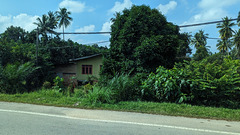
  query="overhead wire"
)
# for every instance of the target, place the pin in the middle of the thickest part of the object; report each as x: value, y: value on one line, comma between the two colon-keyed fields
x: 181, y: 26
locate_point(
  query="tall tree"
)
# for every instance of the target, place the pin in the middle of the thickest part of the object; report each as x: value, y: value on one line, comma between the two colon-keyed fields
x: 236, y: 41
x: 200, y: 41
x: 15, y: 34
x: 52, y: 20
x: 224, y: 46
x: 184, y: 49
x: 226, y: 32
x: 64, y: 18
x: 141, y: 40
x: 43, y: 25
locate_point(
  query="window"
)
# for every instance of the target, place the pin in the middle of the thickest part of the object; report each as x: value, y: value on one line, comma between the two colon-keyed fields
x: 86, y: 69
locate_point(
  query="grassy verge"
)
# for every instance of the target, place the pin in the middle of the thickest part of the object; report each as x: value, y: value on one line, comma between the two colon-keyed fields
x: 51, y: 97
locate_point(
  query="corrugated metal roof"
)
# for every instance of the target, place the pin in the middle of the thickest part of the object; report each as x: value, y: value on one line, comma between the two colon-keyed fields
x: 85, y: 57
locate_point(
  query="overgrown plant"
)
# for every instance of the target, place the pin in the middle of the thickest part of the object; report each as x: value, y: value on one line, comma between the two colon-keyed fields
x: 196, y: 82
x: 58, y: 84
x: 13, y: 77
x: 99, y: 95
x: 124, y: 87
x: 166, y: 85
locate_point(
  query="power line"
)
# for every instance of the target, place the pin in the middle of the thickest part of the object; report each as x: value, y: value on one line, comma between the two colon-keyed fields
x: 206, y: 23
x: 181, y: 26
x: 100, y: 42
x: 213, y: 38
x: 84, y: 33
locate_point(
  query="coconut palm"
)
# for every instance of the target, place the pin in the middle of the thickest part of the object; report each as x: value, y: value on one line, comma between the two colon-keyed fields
x: 224, y: 46
x: 199, y: 39
x: 226, y: 31
x: 64, y: 19
x: 52, y: 20
x: 236, y: 41
x: 44, y: 26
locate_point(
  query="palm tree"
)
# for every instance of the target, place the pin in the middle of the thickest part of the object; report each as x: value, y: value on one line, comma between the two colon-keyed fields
x: 199, y: 39
x: 63, y: 17
x: 224, y: 45
x: 226, y: 31
x: 43, y: 25
x: 52, y: 20
x: 236, y: 41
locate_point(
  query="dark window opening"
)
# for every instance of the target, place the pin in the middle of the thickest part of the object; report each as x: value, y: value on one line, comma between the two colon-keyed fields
x: 86, y: 69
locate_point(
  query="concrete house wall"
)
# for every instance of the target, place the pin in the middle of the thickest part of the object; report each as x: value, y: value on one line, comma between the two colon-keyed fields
x: 75, y: 68
x: 66, y: 71
x: 96, y: 63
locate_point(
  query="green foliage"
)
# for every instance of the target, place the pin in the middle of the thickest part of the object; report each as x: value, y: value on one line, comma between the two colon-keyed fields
x: 201, y: 53
x: 99, y: 95
x: 207, y: 83
x: 124, y: 87
x: 47, y: 85
x: 14, y: 34
x: 141, y: 40
x: 200, y: 41
x: 166, y: 85
x: 217, y: 83
x: 88, y: 87
x: 58, y: 84
x: 14, y: 77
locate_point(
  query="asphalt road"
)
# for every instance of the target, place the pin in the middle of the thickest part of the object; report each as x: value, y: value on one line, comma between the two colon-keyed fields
x: 26, y: 119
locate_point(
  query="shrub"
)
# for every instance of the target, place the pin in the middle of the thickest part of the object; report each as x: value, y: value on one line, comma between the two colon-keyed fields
x: 58, y: 84
x: 99, y: 95
x: 124, y: 87
x: 13, y: 77
x: 196, y: 82
x: 216, y: 83
x: 167, y: 86
x: 47, y: 85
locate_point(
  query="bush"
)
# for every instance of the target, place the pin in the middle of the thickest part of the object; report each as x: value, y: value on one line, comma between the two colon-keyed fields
x: 216, y: 83
x: 99, y: 95
x: 47, y: 85
x: 167, y: 86
x: 196, y: 82
x: 124, y: 87
x: 58, y: 84
x: 13, y: 77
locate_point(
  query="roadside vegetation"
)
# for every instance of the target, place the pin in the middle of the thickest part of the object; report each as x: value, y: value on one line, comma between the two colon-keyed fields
x: 147, y: 68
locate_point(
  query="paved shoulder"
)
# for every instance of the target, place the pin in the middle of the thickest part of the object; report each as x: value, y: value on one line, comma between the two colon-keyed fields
x: 125, y: 119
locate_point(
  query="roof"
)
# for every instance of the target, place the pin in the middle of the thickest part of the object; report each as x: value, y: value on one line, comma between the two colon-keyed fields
x: 85, y: 57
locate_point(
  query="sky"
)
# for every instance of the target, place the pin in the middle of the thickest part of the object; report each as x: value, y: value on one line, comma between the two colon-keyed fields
x: 95, y: 15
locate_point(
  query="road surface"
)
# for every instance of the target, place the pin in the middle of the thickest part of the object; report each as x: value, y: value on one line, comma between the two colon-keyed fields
x: 26, y: 119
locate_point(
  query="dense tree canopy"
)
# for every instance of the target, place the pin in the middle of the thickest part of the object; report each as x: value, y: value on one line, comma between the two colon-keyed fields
x: 141, y: 40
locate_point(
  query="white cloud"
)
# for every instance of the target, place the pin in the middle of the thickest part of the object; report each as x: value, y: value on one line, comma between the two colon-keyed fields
x: 210, y: 10
x: 22, y: 20
x: 88, y: 28
x: 74, y: 6
x: 106, y: 27
x: 118, y: 7
x: 165, y: 8
x: 216, y: 3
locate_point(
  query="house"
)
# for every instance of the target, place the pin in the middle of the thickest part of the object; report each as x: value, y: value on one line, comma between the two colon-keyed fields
x: 81, y: 68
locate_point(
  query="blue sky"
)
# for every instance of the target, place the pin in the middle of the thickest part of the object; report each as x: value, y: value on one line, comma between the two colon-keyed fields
x: 95, y: 15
